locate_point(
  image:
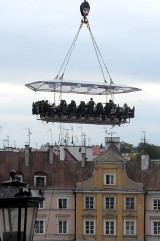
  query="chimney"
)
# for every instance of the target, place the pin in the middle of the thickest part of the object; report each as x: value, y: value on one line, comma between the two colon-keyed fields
x: 114, y: 140
x: 83, y: 162
x: 61, y: 153
x: 51, y: 155
x: 144, y: 162
x: 27, y: 149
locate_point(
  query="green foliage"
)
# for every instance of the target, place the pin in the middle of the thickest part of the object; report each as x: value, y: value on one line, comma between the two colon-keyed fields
x: 126, y: 147
x: 141, y: 149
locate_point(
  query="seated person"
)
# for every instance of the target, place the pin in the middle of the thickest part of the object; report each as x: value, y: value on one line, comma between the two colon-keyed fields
x: 81, y: 108
x: 72, y: 107
x: 62, y: 108
x: 99, y: 109
x: 90, y: 107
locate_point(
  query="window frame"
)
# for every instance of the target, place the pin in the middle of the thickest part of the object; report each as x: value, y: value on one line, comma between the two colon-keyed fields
x: 43, y: 205
x: 40, y: 176
x: 19, y: 177
x: 89, y: 228
x: 66, y: 228
x: 158, y: 204
x: 89, y: 204
x: 152, y: 227
x: 114, y: 205
x: 125, y: 228
x: 109, y: 221
x: 62, y: 198
x: 112, y: 179
x: 39, y: 220
x: 130, y: 205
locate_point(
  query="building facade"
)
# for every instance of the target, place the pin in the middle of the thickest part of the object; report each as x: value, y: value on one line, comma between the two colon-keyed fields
x: 109, y: 206
x: 109, y: 198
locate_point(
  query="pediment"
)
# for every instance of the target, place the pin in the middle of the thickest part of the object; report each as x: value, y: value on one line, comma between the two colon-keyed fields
x: 88, y: 215
x: 109, y: 215
x: 109, y: 156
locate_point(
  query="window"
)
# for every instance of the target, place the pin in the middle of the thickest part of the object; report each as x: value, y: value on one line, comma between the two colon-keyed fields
x: 110, y: 227
x: 156, y: 204
x: 19, y: 178
x: 62, y: 227
x: 109, y: 179
x: 110, y: 203
x: 156, y: 227
x: 40, y: 181
x: 89, y: 202
x: 62, y: 203
x: 39, y: 227
x: 90, y: 227
x: 129, y: 228
x: 129, y: 203
x: 41, y: 205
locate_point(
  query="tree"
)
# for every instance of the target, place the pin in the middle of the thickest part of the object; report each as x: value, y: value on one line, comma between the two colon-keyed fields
x: 142, y: 148
x: 126, y: 147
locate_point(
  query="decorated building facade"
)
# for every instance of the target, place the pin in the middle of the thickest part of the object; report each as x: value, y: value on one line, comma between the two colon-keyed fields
x: 109, y: 198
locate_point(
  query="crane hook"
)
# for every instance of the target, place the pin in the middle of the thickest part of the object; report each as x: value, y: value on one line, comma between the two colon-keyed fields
x: 84, y: 9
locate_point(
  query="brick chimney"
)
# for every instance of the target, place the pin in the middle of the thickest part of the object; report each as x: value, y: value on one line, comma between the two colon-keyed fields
x: 144, y: 162
x: 114, y: 140
x: 51, y: 155
x: 83, y: 162
x: 26, y: 151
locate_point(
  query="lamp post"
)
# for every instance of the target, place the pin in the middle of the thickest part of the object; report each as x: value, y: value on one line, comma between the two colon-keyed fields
x: 18, y: 210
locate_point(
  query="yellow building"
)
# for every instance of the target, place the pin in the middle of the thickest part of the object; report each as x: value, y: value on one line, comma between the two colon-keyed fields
x: 109, y: 206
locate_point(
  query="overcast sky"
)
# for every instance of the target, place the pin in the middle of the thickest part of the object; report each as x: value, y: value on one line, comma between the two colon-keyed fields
x: 35, y: 36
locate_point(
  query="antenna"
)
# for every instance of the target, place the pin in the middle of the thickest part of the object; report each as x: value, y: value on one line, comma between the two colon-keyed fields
x: 144, y: 136
x: 6, y: 141
x: 66, y: 137
x: 83, y: 139
x: 144, y: 142
x: 72, y: 141
x: 29, y: 135
x: 50, y: 130
x: 110, y: 134
x: 14, y: 144
x: 76, y: 140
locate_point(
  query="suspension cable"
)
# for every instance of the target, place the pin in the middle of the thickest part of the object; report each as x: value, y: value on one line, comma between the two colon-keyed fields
x: 68, y: 55
x: 85, y: 8
x: 97, y: 49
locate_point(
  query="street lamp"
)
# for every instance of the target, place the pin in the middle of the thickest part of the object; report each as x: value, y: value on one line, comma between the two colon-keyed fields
x: 18, y: 210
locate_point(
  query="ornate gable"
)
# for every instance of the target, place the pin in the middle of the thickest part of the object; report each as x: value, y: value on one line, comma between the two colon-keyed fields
x: 112, y: 154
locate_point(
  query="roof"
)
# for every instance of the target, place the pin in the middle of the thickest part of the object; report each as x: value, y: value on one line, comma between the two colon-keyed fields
x: 60, y: 174
x: 79, y: 87
x: 65, y: 174
x: 150, y: 178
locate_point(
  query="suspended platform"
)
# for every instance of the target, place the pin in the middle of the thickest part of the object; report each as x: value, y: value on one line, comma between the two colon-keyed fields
x: 87, y: 119
x: 106, y: 113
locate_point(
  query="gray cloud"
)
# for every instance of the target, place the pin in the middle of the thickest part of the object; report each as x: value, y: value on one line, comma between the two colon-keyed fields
x: 35, y: 37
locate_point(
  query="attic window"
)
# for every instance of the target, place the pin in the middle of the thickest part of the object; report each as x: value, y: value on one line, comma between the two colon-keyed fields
x: 19, y: 178
x: 109, y: 179
x: 40, y: 181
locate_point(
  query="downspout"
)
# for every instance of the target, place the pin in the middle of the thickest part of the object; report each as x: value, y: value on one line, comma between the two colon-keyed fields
x: 145, y: 215
x: 75, y: 215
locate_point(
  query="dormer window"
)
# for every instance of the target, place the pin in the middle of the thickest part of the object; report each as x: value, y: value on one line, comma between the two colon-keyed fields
x: 39, y: 181
x: 109, y: 179
x: 19, y: 178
